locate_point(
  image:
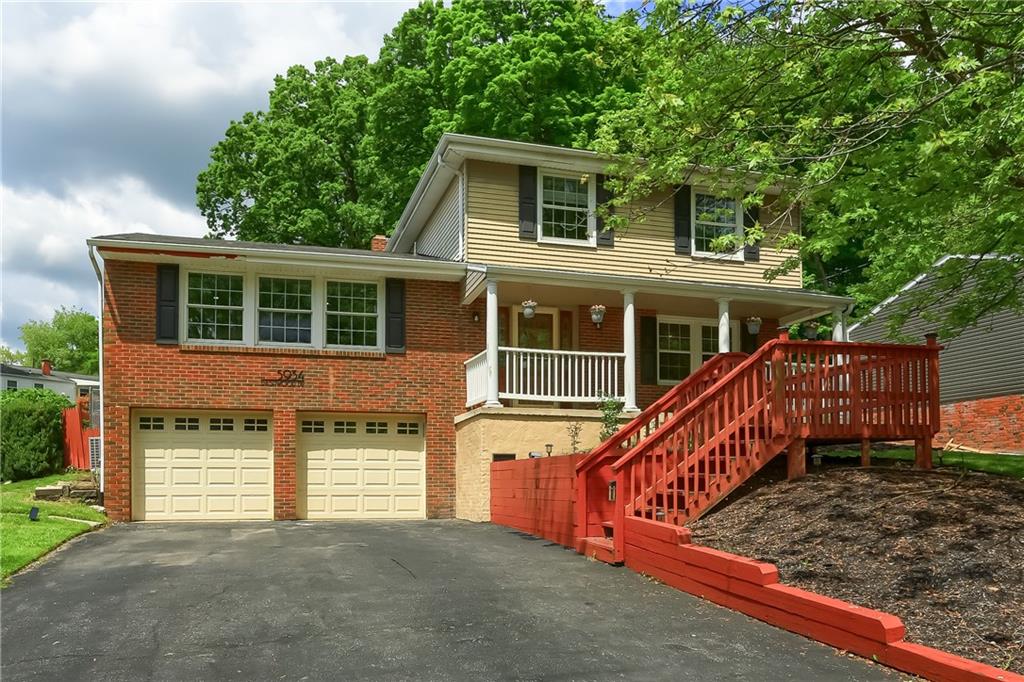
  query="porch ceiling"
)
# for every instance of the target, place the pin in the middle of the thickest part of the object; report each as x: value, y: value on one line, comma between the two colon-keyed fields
x: 512, y: 293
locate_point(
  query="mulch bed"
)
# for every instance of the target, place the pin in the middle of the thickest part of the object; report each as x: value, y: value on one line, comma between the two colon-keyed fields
x: 943, y: 552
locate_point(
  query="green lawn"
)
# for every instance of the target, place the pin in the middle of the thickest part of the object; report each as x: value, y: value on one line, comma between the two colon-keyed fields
x: 1005, y: 465
x: 23, y: 541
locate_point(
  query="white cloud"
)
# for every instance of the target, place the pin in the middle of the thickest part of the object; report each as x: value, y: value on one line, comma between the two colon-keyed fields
x: 182, y: 52
x: 43, y: 256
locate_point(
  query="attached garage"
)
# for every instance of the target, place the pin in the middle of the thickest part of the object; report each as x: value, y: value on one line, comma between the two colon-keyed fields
x: 202, y: 466
x: 361, y: 466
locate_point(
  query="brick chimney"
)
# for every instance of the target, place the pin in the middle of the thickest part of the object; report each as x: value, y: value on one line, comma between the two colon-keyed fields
x: 46, y: 366
x: 378, y: 243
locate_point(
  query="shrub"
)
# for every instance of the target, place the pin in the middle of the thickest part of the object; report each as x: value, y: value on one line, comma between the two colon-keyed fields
x: 31, y: 433
x: 611, y: 410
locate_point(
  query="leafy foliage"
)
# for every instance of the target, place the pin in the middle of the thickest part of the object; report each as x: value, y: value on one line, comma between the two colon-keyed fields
x: 338, y: 151
x: 11, y: 356
x: 611, y: 410
x: 896, y: 126
x: 32, y: 437
x: 70, y: 341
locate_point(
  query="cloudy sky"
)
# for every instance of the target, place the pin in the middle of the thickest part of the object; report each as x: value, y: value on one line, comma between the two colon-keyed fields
x: 109, y: 112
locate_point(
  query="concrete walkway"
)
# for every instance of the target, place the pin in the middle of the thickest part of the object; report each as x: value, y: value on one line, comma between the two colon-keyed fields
x: 429, y: 600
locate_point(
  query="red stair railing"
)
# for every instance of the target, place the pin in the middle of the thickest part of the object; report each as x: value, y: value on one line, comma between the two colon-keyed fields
x: 633, y: 433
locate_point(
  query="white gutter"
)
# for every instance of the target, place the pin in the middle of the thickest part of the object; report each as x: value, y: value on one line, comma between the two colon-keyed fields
x: 446, y: 269
x: 590, y: 280
x: 100, y: 296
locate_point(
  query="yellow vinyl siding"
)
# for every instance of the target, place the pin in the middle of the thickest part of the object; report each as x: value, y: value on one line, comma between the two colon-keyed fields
x: 645, y: 249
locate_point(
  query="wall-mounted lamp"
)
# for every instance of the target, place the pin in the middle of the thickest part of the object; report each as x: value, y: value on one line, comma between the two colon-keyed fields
x: 476, y: 316
x: 753, y: 325
x: 529, y: 309
x: 549, y: 447
x: 597, y: 314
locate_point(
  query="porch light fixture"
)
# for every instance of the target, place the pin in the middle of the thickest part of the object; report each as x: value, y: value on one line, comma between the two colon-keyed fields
x: 529, y: 309
x: 476, y: 316
x: 549, y: 447
x: 597, y: 314
x: 754, y: 324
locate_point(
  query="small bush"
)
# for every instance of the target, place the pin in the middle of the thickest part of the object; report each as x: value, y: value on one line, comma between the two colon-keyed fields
x: 31, y: 433
x: 611, y: 410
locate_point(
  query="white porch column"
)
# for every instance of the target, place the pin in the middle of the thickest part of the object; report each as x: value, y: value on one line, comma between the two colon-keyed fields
x: 629, y: 348
x: 839, y: 325
x: 492, y: 344
x: 724, y: 342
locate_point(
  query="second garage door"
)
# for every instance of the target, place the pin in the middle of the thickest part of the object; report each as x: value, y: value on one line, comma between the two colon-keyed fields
x: 361, y: 466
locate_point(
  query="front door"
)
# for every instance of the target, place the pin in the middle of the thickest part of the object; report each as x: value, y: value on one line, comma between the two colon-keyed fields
x: 540, y: 331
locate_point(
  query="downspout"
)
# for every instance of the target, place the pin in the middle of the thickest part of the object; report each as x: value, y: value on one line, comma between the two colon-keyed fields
x: 847, y: 312
x: 100, y: 296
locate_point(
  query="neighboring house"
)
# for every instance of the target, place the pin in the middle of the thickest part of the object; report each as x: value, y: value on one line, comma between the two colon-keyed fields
x: 249, y: 380
x: 981, y: 372
x: 15, y: 377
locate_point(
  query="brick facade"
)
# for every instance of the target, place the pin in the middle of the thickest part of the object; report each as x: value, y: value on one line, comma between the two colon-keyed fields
x: 428, y: 379
x: 995, y: 424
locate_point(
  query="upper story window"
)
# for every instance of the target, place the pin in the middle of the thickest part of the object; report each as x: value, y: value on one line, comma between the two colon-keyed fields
x: 352, y: 314
x: 566, y: 209
x: 714, y: 217
x: 285, y: 308
x: 214, y: 307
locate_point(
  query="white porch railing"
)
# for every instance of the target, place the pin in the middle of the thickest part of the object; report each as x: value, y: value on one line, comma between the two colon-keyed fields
x: 476, y: 379
x: 559, y: 375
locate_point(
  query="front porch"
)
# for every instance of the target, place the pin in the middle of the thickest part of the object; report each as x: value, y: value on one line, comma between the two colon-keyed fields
x: 651, y: 334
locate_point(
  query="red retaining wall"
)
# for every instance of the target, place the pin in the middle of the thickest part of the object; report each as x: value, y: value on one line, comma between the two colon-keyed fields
x: 664, y: 551
x: 536, y: 496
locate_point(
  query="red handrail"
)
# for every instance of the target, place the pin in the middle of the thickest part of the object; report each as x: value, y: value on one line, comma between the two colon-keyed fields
x: 672, y: 401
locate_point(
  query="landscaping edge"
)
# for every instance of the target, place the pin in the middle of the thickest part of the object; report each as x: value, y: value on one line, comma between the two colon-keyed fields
x: 667, y: 553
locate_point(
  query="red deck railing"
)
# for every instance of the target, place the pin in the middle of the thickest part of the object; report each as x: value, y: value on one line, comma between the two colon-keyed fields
x: 785, y: 392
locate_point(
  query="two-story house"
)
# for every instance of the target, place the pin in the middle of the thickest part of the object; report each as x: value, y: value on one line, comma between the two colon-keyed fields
x: 258, y: 381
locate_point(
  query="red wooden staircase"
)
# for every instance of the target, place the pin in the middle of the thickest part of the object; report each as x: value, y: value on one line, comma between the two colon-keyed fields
x: 716, y: 429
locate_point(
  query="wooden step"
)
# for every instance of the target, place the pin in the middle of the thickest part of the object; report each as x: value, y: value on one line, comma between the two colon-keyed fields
x: 602, y: 549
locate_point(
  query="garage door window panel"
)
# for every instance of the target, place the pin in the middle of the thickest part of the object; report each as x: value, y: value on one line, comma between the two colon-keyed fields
x: 285, y: 310
x: 186, y: 423
x: 353, y: 314
x: 215, y: 307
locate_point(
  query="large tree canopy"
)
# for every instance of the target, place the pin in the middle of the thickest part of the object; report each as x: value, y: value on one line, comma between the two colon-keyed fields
x: 896, y: 125
x: 70, y: 341
x: 340, y: 148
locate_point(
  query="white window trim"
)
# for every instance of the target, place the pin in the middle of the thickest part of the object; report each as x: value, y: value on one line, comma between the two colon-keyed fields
x: 736, y: 255
x: 591, y: 208
x: 380, y: 313
x: 184, y: 306
x: 695, y: 323
x: 250, y: 310
x: 314, y: 340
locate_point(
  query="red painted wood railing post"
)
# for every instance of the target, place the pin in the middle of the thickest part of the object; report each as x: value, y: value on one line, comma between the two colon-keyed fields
x: 933, y: 382
x: 581, y: 509
x: 778, y: 391
x: 622, y: 493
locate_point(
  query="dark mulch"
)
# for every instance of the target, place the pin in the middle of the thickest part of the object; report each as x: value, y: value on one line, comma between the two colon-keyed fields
x: 944, y: 552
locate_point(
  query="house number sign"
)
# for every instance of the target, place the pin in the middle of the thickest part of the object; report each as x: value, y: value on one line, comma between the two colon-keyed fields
x: 285, y: 377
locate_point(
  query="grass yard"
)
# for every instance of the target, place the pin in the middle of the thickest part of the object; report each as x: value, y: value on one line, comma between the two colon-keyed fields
x: 1005, y: 465
x: 23, y: 541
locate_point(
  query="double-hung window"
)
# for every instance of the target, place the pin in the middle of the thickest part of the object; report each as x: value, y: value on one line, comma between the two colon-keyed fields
x: 567, y: 209
x: 215, y: 307
x: 714, y: 217
x: 684, y: 344
x: 352, y: 314
x: 285, y: 310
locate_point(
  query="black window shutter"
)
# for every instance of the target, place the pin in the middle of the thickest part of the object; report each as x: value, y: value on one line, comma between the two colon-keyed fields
x: 394, y: 316
x: 751, y: 252
x: 604, y: 195
x: 167, y: 303
x: 682, y: 220
x: 648, y: 350
x: 528, y: 202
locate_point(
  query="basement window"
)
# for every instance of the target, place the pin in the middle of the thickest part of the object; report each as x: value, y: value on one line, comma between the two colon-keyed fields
x: 503, y: 456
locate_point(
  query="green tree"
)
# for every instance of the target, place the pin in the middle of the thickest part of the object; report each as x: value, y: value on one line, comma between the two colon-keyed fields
x: 70, y: 340
x: 338, y: 151
x: 897, y: 127
x: 11, y: 356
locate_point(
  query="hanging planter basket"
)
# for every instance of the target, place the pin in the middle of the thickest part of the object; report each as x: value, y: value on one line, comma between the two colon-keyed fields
x: 529, y: 309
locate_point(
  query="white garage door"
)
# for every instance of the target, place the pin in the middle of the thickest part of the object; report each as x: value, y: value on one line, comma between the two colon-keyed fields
x: 201, y: 466
x: 361, y: 466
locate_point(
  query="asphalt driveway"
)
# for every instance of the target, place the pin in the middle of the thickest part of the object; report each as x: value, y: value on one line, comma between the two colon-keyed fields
x: 431, y: 600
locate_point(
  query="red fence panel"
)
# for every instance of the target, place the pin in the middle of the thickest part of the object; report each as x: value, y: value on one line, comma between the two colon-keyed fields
x: 536, y: 496
x: 76, y: 441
